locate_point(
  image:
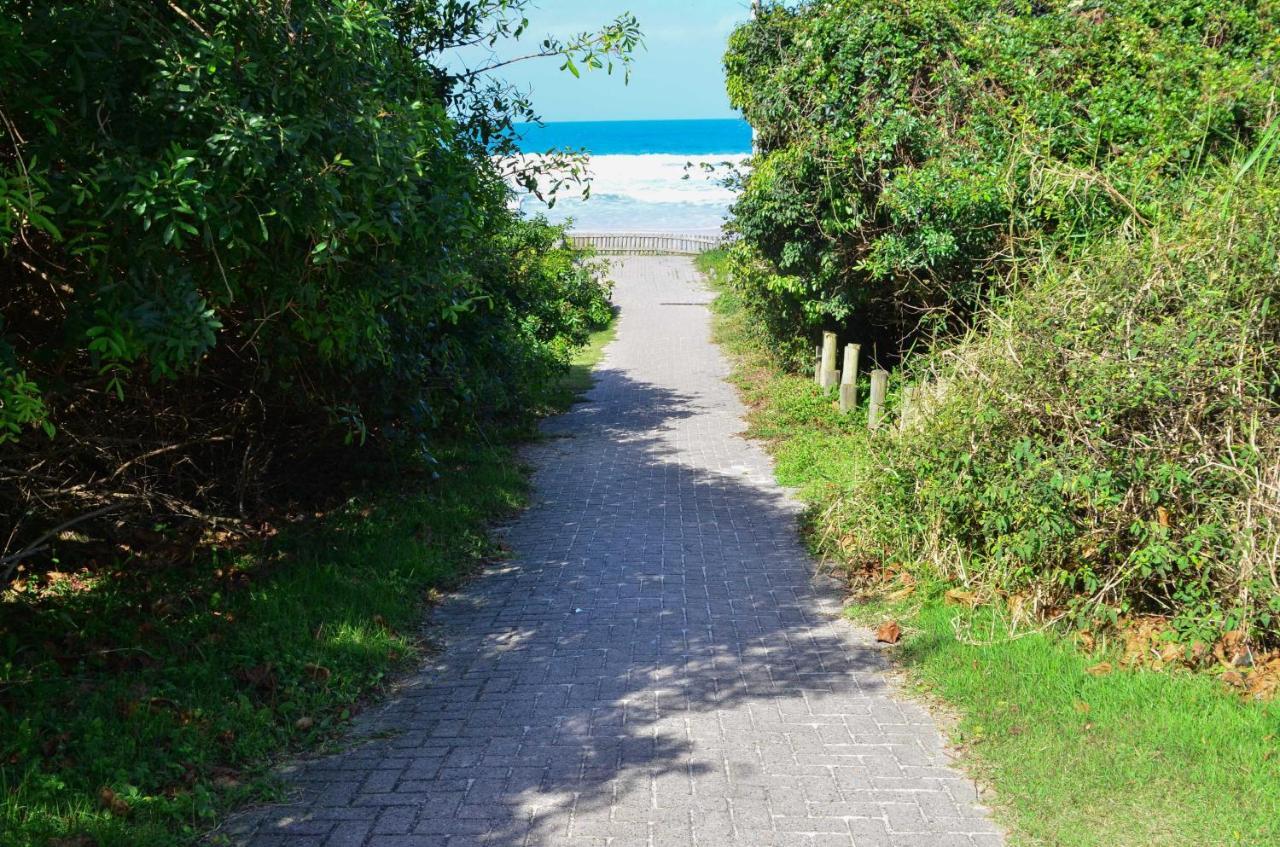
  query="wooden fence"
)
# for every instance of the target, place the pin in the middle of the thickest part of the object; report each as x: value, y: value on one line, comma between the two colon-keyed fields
x: 646, y: 243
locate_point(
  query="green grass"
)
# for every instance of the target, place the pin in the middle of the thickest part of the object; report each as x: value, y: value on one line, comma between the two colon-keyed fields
x: 173, y: 679
x: 580, y: 379
x: 1137, y: 758
x: 175, y: 685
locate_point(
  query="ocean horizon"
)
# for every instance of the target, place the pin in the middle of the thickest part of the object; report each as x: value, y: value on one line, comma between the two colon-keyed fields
x: 647, y: 175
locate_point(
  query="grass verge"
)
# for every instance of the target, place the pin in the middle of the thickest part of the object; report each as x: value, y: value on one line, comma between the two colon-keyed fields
x: 1139, y: 757
x: 143, y: 698
x: 580, y: 379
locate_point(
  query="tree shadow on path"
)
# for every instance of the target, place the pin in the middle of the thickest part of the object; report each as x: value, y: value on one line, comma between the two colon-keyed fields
x: 656, y: 664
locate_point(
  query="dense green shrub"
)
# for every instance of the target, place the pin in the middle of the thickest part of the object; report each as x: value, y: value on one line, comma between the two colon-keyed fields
x: 1059, y: 198
x: 907, y: 150
x: 253, y: 224
x: 1108, y: 442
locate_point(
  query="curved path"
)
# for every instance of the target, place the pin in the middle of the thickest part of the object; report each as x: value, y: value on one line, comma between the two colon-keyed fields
x: 656, y: 665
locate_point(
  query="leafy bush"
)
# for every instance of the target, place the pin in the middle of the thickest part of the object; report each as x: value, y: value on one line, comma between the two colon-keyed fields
x: 240, y: 227
x: 1102, y: 446
x: 907, y: 151
x: 1055, y: 197
x: 1106, y: 445
x: 249, y: 249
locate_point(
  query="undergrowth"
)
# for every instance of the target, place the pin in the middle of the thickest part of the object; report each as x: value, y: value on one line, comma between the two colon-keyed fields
x: 1101, y: 446
x: 1104, y: 445
x: 142, y: 700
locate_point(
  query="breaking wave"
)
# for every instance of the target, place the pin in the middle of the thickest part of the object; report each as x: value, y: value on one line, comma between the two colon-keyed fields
x: 648, y: 192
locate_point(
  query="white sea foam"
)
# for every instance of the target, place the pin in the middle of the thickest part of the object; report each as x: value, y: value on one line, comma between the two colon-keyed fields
x: 650, y: 192
x: 660, y: 178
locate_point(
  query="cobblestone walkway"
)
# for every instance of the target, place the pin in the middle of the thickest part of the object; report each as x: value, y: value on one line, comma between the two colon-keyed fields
x: 656, y: 665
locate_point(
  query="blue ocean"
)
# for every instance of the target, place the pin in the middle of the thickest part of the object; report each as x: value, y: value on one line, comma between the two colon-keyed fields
x: 647, y: 176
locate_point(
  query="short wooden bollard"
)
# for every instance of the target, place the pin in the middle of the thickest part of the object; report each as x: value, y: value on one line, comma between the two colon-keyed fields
x: 849, y: 379
x: 828, y: 376
x: 817, y: 365
x: 879, y: 387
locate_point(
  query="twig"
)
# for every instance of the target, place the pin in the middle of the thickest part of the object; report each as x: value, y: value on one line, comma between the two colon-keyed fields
x: 167, y: 449
x: 12, y: 560
x: 182, y: 13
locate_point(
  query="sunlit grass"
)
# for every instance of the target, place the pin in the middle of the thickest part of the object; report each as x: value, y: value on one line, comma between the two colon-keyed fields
x: 579, y: 379
x: 1139, y: 758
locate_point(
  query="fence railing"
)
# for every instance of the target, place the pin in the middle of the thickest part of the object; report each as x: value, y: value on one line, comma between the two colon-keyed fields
x: 647, y: 243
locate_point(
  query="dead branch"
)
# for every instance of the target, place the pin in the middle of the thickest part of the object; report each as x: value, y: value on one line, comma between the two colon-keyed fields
x: 13, y: 559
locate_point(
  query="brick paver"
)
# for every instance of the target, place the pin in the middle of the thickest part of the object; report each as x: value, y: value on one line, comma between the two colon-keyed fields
x: 657, y: 664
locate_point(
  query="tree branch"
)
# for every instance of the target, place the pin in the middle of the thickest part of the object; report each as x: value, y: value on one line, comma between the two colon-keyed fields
x: 34, y: 546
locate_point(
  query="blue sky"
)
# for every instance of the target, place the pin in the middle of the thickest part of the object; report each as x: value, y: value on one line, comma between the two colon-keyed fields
x: 677, y: 75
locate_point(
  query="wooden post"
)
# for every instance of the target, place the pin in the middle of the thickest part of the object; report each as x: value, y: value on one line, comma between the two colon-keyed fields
x: 849, y: 378
x: 828, y: 351
x: 879, y: 386
x: 817, y: 365
x: 829, y: 375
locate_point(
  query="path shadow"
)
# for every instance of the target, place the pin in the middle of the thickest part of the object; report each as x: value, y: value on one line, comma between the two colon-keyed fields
x: 658, y: 647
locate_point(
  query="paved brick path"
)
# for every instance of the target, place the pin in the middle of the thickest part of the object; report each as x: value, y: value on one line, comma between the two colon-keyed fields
x: 656, y: 666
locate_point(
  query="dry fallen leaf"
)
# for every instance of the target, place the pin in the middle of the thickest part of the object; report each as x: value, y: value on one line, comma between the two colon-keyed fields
x: 1143, y: 636
x: 317, y: 672
x: 888, y: 632
x: 1162, y: 515
x: 113, y: 802
x: 902, y: 593
x: 1082, y: 707
x: 1100, y: 669
x: 1021, y: 607
x: 304, y: 723
x: 960, y: 597
x: 1229, y: 647
x: 1263, y: 685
